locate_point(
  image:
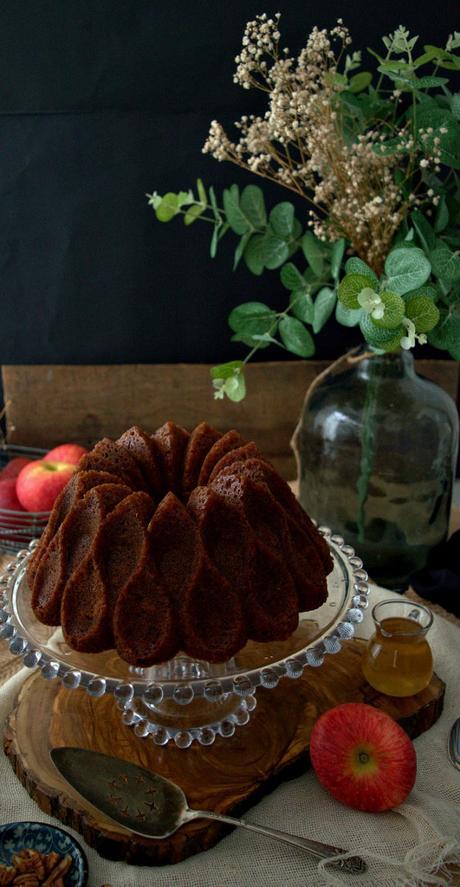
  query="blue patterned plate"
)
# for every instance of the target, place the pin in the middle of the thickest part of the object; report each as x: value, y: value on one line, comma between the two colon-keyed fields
x: 45, y: 838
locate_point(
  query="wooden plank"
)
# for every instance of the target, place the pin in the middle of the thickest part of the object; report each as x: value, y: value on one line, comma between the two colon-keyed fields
x: 47, y: 405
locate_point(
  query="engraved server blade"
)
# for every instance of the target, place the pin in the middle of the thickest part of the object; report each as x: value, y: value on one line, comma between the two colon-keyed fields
x: 149, y: 805
x: 129, y: 795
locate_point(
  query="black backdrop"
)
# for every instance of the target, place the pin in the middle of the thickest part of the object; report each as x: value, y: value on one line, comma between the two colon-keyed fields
x: 100, y: 102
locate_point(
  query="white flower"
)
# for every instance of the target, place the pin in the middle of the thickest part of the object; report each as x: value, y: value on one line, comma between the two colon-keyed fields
x: 219, y: 386
x: 409, y: 340
x: 412, y: 337
x: 371, y: 302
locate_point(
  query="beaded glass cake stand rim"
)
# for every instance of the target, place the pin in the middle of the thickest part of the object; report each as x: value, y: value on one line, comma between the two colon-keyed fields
x: 182, y: 684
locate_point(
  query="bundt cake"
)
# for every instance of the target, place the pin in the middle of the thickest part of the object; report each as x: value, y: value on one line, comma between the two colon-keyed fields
x: 176, y: 542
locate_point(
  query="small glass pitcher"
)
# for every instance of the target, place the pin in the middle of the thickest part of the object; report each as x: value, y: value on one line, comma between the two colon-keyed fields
x: 398, y: 659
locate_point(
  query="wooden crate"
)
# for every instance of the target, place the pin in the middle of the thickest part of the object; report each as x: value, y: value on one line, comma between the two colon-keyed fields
x: 47, y: 405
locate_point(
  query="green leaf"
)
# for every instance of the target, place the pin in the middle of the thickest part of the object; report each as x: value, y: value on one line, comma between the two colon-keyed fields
x: 347, y: 316
x: 350, y: 287
x: 445, y: 264
x: 324, y: 306
x: 337, y: 254
x: 253, y: 206
x: 291, y: 277
x: 214, y: 242
x: 376, y: 336
x: 357, y: 266
x: 282, y: 219
x: 215, y: 208
x: 193, y: 213
x: 253, y: 340
x: 424, y: 231
x: 452, y: 238
x: 455, y: 105
x: 430, y: 82
x: 235, y: 217
x: 302, y: 305
x: 240, y: 250
x: 360, y: 81
x: 394, y: 309
x: 453, y: 41
x: 446, y: 334
x: 296, y: 229
x: 426, y: 57
x: 201, y: 192
x: 168, y: 208
x: 313, y: 252
x: 443, y: 58
x: 254, y: 254
x: 442, y: 216
x: 422, y: 311
x: 184, y: 198
x: 266, y: 339
x: 226, y: 370
x: 251, y: 318
x: 406, y: 268
x: 275, y: 251
x: 339, y: 79
x: 428, y: 289
x: 295, y: 337
x: 235, y: 388
x: 400, y: 76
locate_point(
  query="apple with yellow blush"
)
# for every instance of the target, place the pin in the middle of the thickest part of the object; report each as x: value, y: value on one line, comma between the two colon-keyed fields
x: 39, y: 483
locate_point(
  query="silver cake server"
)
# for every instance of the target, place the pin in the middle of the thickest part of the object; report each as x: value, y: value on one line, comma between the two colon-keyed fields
x: 454, y: 744
x: 154, y: 807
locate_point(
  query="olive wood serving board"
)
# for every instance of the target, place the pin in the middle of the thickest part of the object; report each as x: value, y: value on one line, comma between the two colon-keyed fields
x: 229, y: 776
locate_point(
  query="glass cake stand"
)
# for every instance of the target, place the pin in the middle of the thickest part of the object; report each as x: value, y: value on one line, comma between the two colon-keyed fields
x: 185, y: 700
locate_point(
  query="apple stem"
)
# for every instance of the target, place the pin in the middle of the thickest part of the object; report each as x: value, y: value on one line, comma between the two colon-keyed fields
x: 363, y: 757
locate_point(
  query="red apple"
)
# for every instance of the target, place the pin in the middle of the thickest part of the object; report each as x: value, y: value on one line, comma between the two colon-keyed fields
x: 13, y: 467
x: 40, y: 483
x: 8, y: 498
x: 69, y: 453
x: 363, y: 757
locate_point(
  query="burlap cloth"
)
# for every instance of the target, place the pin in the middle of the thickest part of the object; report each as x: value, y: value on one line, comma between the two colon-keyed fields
x: 412, y: 846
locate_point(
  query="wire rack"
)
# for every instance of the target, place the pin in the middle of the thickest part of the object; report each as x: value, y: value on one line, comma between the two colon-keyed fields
x: 18, y: 528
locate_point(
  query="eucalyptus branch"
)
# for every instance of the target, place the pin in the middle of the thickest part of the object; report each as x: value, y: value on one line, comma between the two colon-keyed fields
x: 374, y: 168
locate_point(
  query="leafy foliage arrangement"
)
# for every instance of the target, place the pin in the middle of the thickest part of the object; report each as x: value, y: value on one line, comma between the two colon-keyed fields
x: 376, y: 163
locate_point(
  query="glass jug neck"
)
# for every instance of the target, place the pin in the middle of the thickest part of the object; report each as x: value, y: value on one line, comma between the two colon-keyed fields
x: 390, y: 366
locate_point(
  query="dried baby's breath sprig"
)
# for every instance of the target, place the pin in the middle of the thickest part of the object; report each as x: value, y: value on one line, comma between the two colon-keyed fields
x: 302, y: 144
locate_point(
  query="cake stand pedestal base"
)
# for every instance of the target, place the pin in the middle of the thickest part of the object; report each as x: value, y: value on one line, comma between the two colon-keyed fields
x: 229, y: 776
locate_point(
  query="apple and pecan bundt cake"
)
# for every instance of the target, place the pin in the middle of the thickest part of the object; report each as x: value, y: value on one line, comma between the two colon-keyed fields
x: 176, y: 542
